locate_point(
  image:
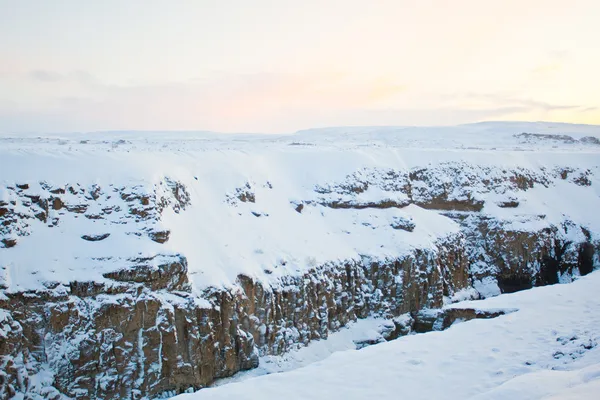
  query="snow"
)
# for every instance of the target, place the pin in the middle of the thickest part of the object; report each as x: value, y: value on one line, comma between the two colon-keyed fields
x: 243, y: 218
x: 367, y: 329
x: 223, y: 237
x: 546, y: 349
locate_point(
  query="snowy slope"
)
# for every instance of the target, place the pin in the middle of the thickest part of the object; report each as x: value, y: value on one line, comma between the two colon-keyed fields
x: 223, y: 237
x: 547, y: 349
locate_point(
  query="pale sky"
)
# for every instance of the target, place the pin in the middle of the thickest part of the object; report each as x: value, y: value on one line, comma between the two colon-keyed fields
x: 280, y: 66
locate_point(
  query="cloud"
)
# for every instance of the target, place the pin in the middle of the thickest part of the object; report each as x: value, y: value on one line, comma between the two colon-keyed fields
x: 559, y: 54
x: 218, y: 96
x: 403, y: 116
x: 79, y: 76
x: 543, y: 105
x: 45, y: 76
x: 547, y: 69
x: 82, y: 114
x: 259, y: 102
x: 554, y: 63
x: 510, y: 100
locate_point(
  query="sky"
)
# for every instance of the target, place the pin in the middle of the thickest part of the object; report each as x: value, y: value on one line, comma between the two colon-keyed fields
x: 277, y: 66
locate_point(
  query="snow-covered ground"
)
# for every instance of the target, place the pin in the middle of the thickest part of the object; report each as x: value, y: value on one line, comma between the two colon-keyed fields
x: 222, y: 237
x: 348, y: 338
x: 547, y: 349
x: 79, y: 207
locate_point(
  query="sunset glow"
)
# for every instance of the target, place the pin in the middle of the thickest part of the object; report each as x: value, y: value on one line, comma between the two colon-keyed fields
x: 280, y: 66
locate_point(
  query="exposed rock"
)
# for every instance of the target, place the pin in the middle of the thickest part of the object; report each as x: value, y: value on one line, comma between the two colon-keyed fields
x: 523, y: 182
x: 438, y: 320
x: 556, y: 261
x: 95, y: 238
x: 159, y: 236
x: 180, y: 195
x: 42, y: 216
x: 94, y: 192
x: 91, y: 288
x: 14, y: 375
x: 361, y: 344
x: 512, y: 256
x: 157, y: 273
x: 360, y: 206
x: 403, y: 325
x: 57, y: 191
x: 247, y: 197
x: 141, y: 204
x: 244, y: 194
x: 12, y: 242
x: 428, y: 320
x: 94, y: 216
x: 583, y: 180
x: 343, y: 294
x: 508, y: 204
x: 405, y: 224
x: 510, y: 282
x: 585, y: 260
x: 590, y: 140
x: 448, y: 187
x: 442, y: 203
x: 546, y: 137
x: 451, y: 316
x: 57, y: 203
x: 77, y: 208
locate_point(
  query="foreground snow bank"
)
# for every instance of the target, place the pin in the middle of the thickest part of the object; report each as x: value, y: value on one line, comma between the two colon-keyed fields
x: 547, y: 348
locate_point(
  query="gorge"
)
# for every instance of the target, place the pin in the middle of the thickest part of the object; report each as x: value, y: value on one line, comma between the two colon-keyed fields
x: 146, y: 265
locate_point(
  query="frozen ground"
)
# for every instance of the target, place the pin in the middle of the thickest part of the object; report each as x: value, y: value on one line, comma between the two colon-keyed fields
x: 266, y: 238
x: 547, y: 349
x: 76, y: 207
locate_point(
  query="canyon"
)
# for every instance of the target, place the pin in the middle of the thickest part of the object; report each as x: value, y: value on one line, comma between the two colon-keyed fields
x: 147, y: 264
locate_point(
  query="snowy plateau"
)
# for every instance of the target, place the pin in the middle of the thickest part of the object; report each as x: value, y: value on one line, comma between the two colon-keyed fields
x: 376, y: 262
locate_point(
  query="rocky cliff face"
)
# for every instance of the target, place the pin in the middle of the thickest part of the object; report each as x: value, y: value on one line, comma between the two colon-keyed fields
x: 146, y: 335
x: 136, y: 290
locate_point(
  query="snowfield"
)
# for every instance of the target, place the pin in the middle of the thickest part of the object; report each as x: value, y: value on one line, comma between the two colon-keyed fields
x: 547, y: 349
x: 146, y: 264
x: 223, y: 237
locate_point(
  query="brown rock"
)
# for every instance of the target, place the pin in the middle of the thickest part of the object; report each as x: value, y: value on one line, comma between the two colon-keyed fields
x: 170, y: 274
x: 159, y: 236
x: 57, y: 203
x: 77, y: 208
x: 9, y: 242
x: 95, y: 238
x: 508, y: 204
